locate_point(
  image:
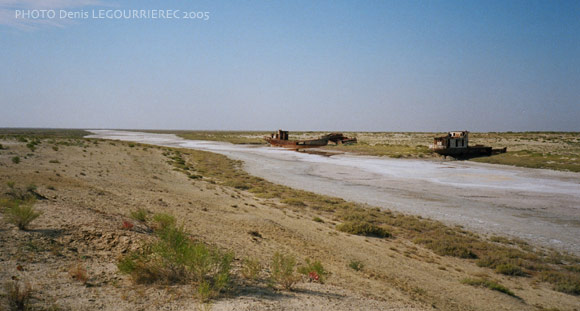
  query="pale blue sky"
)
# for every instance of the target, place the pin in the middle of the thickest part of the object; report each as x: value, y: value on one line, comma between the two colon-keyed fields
x: 299, y: 65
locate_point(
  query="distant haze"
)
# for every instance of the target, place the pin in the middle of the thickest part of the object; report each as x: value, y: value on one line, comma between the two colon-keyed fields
x: 299, y: 65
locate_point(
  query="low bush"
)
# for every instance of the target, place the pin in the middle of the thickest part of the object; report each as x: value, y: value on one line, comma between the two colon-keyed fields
x: 563, y: 281
x: 488, y: 284
x: 174, y: 258
x: 294, y: 202
x: 21, y: 213
x: 79, y: 273
x: 509, y: 269
x: 356, y: 265
x: 163, y: 221
x: 449, y: 243
x: 140, y: 214
x: 363, y: 228
x: 16, y: 160
x: 283, y: 270
x: 314, y: 270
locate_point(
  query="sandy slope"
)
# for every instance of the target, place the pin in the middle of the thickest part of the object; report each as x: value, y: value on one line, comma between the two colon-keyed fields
x: 96, y: 187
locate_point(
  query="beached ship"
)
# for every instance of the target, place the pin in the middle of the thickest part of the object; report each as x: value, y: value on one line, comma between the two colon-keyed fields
x: 456, y: 144
x: 280, y: 139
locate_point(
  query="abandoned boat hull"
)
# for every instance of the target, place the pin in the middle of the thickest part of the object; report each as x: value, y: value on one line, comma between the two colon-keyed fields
x: 297, y: 144
x: 465, y: 152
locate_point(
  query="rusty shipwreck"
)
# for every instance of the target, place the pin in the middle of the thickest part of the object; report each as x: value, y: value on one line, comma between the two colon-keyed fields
x: 456, y: 144
x: 280, y: 139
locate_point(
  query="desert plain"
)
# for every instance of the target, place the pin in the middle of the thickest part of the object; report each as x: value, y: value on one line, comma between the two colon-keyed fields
x: 103, y: 208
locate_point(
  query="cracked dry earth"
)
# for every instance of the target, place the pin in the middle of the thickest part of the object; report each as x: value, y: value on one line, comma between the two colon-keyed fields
x: 90, y: 189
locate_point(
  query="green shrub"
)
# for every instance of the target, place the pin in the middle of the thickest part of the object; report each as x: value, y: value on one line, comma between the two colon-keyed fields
x: 488, y: 284
x: 363, y: 228
x: 356, y: 265
x: 140, y: 214
x: 16, y: 160
x: 509, y: 269
x: 563, y: 281
x: 21, y: 213
x: 174, y: 258
x: 163, y: 221
x: 282, y: 269
x: 318, y: 219
x: 448, y: 245
x: 315, y: 267
x: 294, y: 202
x: 238, y: 184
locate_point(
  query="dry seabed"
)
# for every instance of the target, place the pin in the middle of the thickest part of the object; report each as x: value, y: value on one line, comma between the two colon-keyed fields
x: 540, y: 206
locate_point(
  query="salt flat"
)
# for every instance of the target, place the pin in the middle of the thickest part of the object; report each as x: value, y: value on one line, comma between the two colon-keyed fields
x: 541, y: 206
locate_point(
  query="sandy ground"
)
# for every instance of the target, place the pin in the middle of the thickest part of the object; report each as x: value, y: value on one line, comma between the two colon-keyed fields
x: 540, y: 206
x: 91, y: 189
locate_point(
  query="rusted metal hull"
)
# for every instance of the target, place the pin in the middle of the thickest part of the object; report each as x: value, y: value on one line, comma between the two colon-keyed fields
x: 297, y: 144
x: 280, y: 139
x: 469, y: 152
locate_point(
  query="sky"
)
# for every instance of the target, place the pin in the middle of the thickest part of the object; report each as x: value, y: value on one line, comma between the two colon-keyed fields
x: 296, y: 65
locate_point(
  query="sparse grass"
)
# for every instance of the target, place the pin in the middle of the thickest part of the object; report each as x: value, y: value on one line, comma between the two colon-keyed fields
x: 293, y: 202
x: 163, y: 221
x: 140, y: 215
x: 251, y: 269
x: 78, y: 272
x: 385, y: 149
x: 318, y: 219
x: 21, y: 213
x: 18, y: 295
x: 488, y: 284
x: 363, y: 228
x: 175, y: 258
x: 509, y: 269
x: 449, y: 243
x: 356, y: 265
x: 234, y: 137
x: 563, y: 281
x: 22, y: 133
x: 283, y: 270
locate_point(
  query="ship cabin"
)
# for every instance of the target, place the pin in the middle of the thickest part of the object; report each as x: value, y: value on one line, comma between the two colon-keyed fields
x: 281, y: 135
x: 453, y: 140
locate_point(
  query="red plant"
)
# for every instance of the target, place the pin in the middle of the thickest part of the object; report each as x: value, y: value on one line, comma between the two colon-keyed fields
x: 313, y: 276
x: 127, y: 225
